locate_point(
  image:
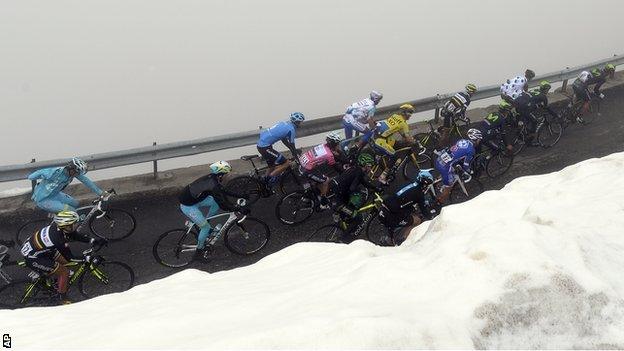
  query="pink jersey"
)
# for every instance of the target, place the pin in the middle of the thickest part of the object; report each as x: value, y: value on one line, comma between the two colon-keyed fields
x: 316, y: 156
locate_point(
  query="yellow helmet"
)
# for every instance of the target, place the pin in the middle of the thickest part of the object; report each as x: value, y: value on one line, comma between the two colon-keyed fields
x: 407, y: 108
x: 65, y: 218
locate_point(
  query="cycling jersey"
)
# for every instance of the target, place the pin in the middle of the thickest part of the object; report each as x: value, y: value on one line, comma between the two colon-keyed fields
x: 50, y: 240
x: 461, y: 154
x: 397, y: 209
x: 598, y: 78
x: 358, y: 112
x: 348, y: 183
x: 513, y: 87
x: 455, y: 107
x: 55, y: 179
x: 203, y: 187
x: 284, y: 131
x: 318, y: 155
x: 388, y: 131
x: 540, y: 100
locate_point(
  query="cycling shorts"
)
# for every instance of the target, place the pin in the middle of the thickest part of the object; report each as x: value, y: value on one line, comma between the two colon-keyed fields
x: 271, y: 156
x: 315, y: 175
x: 447, y: 173
x: 395, y: 219
x: 45, y: 264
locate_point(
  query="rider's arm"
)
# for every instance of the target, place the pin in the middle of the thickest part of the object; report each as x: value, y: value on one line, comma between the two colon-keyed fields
x: 41, y: 173
x: 599, y: 81
x: 89, y: 184
x: 75, y: 236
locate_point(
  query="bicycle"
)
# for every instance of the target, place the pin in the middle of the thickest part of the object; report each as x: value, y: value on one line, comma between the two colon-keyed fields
x: 462, y: 190
x: 94, y: 276
x: 346, y: 230
x: 253, y: 185
x: 242, y: 235
x: 548, y: 131
x: 296, y: 207
x: 410, y: 159
x: 573, y: 110
x: 112, y: 224
x: 493, y: 161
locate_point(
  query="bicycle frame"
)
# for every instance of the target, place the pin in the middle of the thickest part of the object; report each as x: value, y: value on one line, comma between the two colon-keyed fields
x: 232, y: 217
x: 97, y: 206
x: 364, y: 222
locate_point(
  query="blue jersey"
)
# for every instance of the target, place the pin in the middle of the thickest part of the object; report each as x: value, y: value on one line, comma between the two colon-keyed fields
x: 461, y: 153
x: 55, y: 179
x: 280, y: 131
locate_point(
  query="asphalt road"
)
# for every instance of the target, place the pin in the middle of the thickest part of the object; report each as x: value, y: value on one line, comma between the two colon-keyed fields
x: 160, y: 212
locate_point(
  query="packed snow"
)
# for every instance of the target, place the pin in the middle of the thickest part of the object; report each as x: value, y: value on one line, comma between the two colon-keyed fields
x: 536, y: 265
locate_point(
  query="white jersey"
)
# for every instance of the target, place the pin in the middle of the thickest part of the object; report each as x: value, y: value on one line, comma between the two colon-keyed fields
x: 513, y: 87
x: 584, y: 76
x: 359, y: 112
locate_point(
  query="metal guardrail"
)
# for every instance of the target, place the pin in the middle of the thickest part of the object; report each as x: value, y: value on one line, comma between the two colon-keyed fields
x: 311, y: 127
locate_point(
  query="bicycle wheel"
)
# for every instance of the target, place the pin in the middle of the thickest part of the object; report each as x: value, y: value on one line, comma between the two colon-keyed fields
x: 518, y: 142
x: 375, y: 230
x: 175, y: 248
x: 107, y: 277
x: 114, y: 225
x: 20, y: 293
x: 594, y: 111
x: 411, y: 168
x: 327, y: 233
x: 28, y: 229
x: 289, y: 182
x: 245, y: 187
x: 498, y: 164
x: 549, y: 132
x: 247, y: 237
x: 294, y: 208
x: 473, y: 188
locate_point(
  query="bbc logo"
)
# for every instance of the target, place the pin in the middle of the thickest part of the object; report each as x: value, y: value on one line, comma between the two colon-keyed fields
x: 6, y: 341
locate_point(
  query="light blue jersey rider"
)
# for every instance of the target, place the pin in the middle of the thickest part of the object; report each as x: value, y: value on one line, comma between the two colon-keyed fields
x: 357, y: 115
x: 48, y: 194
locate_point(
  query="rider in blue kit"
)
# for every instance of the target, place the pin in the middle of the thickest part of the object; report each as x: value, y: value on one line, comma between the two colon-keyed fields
x: 284, y: 132
x: 459, y: 155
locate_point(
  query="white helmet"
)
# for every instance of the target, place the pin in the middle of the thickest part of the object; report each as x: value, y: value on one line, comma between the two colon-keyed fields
x: 220, y: 167
x: 376, y: 96
x: 78, y: 164
x: 65, y: 218
x: 474, y: 134
x: 333, y: 137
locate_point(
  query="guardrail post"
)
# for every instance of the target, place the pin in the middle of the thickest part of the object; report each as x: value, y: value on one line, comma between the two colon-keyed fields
x: 33, y: 182
x: 565, y: 85
x: 155, y: 165
x: 436, y: 116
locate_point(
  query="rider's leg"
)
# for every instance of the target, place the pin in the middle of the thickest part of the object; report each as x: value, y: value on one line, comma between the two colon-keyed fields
x: 385, y: 148
x: 281, y: 165
x: 448, y: 179
x: 348, y: 129
x: 57, y: 203
x: 445, y: 131
x: 196, y: 216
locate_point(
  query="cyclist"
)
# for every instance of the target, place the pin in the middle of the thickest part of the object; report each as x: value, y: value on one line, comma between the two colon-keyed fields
x: 387, y: 133
x: 359, y: 117
x: 47, y: 251
x: 540, y: 97
x: 345, y: 187
x: 596, y: 77
x: 325, y: 154
x: 458, y: 156
x: 397, y: 212
x: 599, y: 77
x: 513, y: 88
x: 493, y: 127
x: 282, y: 131
x: 48, y: 194
x: 206, y: 191
x: 455, y: 108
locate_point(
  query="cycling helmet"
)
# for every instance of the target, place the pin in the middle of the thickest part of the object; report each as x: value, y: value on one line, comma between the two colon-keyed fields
x: 529, y: 74
x: 471, y: 88
x: 65, y: 218
x: 376, y: 96
x: 609, y: 68
x: 424, y: 177
x: 544, y: 86
x: 297, y: 117
x: 333, y: 138
x: 79, y: 165
x: 365, y: 159
x: 504, y: 106
x: 220, y: 167
x: 474, y: 134
x: 407, y: 108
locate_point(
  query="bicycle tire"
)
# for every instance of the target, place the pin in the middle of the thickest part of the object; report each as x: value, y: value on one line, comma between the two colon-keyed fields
x: 177, y: 250
x: 114, y: 225
x: 107, y: 277
x: 375, y: 230
x: 549, y: 133
x: 240, y: 233
x: 327, y: 233
x: 12, y: 295
x: 244, y: 186
x: 29, y: 228
x: 294, y: 208
x: 410, y: 169
x: 498, y: 164
x: 474, y: 187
